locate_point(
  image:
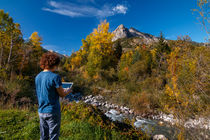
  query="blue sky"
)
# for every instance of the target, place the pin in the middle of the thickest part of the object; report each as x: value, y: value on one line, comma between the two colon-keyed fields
x: 63, y: 23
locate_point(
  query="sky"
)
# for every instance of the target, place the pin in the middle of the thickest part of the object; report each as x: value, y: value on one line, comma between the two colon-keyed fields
x: 64, y: 23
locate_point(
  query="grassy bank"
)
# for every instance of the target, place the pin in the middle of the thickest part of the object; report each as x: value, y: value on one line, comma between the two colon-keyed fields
x: 79, y: 121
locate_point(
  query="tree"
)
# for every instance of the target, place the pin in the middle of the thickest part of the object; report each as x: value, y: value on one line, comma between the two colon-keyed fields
x: 162, y: 46
x: 37, y: 50
x: 124, y: 64
x: 97, y: 52
x: 11, y: 40
x: 203, y: 15
x: 162, y: 49
x: 101, y: 53
x: 5, y: 21
x: 36, y: 39
x: 117, y: 50
x: 79, y: 58
x: 185, y: 38
x: 25, y: 53
x: 15, y: 37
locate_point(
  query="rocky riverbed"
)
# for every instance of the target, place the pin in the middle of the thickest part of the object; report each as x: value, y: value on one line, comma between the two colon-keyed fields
x: 159, y: 125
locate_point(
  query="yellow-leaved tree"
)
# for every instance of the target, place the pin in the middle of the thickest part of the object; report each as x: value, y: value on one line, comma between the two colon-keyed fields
x: 101, y: 54
x: 79, y: 58
x: 96, y: 53
x: 203, y: 15
x: 35, y: 40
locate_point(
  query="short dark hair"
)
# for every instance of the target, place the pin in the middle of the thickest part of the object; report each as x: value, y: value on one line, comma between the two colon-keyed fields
x: 49, y: 60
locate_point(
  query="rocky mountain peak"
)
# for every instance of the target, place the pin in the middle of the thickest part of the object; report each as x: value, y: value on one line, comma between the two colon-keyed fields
x: 122, y: 32
x: 133, y: 29
x: 121, y: 26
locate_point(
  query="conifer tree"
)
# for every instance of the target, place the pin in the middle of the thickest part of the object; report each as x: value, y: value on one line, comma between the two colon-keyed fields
x: 162, y: 49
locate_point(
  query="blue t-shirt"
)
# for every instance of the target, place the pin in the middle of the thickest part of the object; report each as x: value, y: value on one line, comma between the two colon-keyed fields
x: 48, y: 97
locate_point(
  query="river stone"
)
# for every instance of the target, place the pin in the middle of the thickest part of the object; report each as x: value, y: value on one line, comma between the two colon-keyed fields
x: 160, y: 123
x: 95, y: 104
x: 116, y: 106
x: 138, y: 118
x: 87, y: 101
x: 113, y: 111
x: 112, y: 105
x: 131, y: 111
x: 90, y: 96
x: 100, y: 97
x: 126, y: 108
x: 107, y: 105
x: 159, y: 137
x: 122, y: 109
x: 126, y: 112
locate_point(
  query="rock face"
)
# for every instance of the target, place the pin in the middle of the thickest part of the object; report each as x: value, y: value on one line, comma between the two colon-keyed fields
x: 122, y: 32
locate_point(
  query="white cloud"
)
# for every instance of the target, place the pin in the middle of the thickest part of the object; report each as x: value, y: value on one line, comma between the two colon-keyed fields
x: 63, y: 12
x: 121, y: 9
x: 76, y: 10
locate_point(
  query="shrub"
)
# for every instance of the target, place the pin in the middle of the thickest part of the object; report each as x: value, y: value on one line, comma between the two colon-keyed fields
x: 140, y: 102
x: 17, y: 92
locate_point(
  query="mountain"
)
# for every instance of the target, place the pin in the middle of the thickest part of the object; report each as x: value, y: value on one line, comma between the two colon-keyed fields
x: 60, y: 55
x: 122, y: 32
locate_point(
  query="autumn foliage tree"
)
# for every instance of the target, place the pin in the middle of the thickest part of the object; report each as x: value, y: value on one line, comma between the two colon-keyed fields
x: 188, y: 89
x: 16, y: 54
x: 96, y: 52
x: 101, y: 52
x: 19, y: 61
x: 203, y: 11
x: 11, y: 41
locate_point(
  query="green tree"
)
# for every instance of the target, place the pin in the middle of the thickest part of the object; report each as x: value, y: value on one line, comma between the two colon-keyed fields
x: 162, y: 49
x: 118, y: 50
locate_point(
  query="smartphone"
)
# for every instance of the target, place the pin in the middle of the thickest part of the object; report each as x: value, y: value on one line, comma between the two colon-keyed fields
x: 67, y: 85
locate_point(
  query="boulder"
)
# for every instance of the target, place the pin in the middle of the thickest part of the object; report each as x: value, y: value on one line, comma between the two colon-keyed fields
x: 159, y: 137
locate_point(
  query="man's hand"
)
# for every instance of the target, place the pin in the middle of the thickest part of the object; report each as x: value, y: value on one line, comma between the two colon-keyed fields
x: 63, y: 92
x: 68, y: 90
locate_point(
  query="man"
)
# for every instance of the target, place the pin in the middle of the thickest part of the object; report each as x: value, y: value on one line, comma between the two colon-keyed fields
x: 48, y: 90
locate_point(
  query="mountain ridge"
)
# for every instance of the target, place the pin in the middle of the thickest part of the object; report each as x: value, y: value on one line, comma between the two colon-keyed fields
x: 122, y: 32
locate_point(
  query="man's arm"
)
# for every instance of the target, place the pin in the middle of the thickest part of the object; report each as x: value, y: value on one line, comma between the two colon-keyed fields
x: 62, y: 92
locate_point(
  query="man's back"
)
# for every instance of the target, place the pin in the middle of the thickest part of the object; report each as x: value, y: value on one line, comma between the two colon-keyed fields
x: 48, y: 98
